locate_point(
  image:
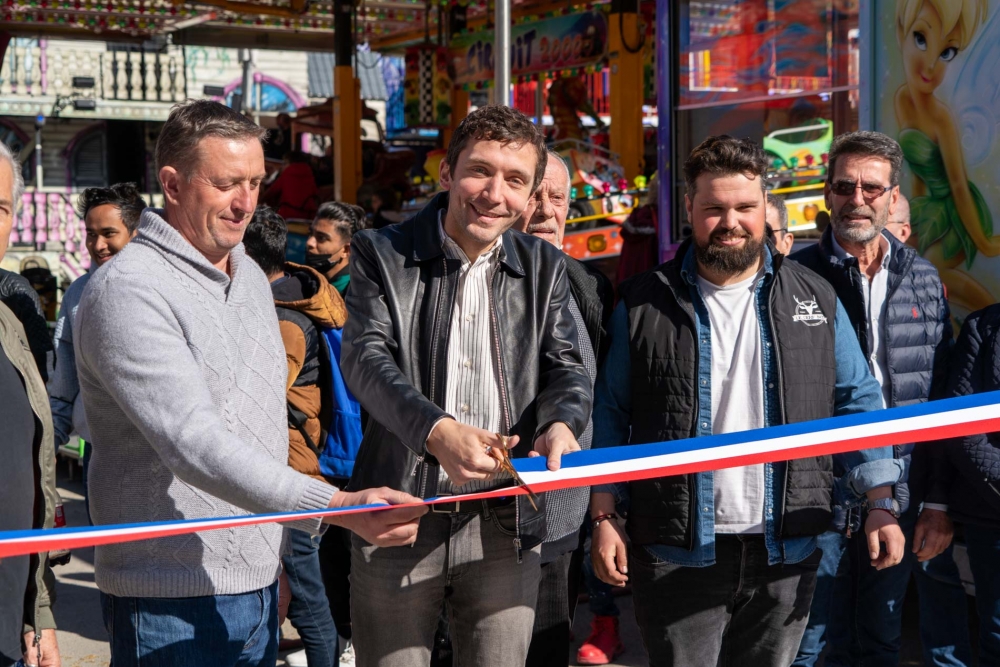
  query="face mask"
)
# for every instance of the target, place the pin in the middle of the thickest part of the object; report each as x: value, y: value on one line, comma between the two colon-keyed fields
x: 321, y: 263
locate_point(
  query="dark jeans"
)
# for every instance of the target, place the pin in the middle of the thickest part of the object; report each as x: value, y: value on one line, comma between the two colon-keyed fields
x: 335, y: 562
x: 220, y: 630
x: 828, y: 622
x: 864, y: 606
x: 983, y: 545
x: 550, y: 637
x: 600, y: 595
x: 740, y: 611
x: 309, y: 610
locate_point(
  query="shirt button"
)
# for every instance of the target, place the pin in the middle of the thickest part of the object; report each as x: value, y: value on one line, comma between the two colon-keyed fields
x: 704, y: 341
x: 704, y: 424
x: 770, y: 511
x: 769, y: 344
x: 770, y: 385
x: 468, y: 363
x: 704, y: 382
x: 468, y: 318
x: 704, y: 509
x: 465, y: 407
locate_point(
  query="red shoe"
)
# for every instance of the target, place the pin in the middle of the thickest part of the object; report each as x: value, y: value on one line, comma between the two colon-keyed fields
x: 604, y: 643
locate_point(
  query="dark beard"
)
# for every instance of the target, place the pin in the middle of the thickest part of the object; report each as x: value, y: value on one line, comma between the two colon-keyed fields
x: 729, y: 261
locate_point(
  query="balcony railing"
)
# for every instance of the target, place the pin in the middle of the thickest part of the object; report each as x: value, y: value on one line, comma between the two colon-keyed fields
x: 48, y: 221
x: 37, y: 69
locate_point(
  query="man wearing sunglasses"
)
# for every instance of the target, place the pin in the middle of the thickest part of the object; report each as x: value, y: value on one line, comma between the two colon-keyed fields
x: 898, y: 310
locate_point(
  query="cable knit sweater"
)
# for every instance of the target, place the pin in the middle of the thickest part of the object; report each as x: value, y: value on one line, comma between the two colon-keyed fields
x: 182, y: 372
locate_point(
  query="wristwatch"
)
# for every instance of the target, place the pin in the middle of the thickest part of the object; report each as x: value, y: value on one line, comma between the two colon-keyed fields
x: 887, y: 504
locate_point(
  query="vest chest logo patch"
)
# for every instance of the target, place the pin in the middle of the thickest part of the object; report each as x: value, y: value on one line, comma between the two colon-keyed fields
x: 808, y: 312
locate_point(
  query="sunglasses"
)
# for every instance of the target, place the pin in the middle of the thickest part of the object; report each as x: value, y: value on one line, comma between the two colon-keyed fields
x: 870, y: 190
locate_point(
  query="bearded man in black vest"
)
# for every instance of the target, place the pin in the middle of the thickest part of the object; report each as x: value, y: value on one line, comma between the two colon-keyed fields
x: 728, y: 337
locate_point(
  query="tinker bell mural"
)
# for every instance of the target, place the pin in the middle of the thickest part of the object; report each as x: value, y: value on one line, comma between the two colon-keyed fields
x: 942, y: 140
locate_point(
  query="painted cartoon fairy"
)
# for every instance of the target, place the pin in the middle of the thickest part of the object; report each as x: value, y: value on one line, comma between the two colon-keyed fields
x: 951, y: 220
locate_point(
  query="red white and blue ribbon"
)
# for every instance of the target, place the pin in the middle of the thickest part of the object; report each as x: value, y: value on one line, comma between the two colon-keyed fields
x: 940, y: 420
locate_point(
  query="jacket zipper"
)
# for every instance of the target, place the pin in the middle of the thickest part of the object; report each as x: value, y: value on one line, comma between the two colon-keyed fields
x: 692, y: 484
x: 420, y: 465
x: 781, y: 404
x: 504, y: 407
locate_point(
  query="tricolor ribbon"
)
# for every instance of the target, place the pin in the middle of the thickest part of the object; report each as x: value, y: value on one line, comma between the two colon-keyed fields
x: 939, y: 420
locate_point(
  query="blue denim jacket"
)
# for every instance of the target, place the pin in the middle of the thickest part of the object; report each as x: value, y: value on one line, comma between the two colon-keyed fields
x: 856, y: 391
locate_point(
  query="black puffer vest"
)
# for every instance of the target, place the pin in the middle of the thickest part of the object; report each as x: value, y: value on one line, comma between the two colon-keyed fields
x: 916, y: 332
x: 663, y: 343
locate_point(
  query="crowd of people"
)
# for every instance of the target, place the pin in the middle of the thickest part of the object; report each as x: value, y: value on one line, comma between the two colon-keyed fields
x: 210, y: 377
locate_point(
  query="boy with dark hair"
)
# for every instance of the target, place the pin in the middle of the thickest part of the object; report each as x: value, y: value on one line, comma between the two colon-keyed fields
x: 304, y: 301
x: 328, y: 248
x: 461, y: 342
x: 111, y: 218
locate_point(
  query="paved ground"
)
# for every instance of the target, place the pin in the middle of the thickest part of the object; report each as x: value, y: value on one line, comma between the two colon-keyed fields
x: 83, y: 640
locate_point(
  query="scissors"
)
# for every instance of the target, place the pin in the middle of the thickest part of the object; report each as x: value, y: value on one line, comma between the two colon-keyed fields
x: 502, y: 456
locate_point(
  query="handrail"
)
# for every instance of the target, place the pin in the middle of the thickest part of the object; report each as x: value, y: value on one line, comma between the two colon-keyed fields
x: 600, y: 216
x: 796, y: 188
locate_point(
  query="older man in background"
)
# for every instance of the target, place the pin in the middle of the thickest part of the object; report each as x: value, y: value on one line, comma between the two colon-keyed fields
x: 777, y: 219
x: 591, y: 302
x: 899, y: 221
x: 28, y: 483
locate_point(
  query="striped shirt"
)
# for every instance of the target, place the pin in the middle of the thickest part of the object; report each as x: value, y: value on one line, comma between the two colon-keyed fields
x: 472, y: 392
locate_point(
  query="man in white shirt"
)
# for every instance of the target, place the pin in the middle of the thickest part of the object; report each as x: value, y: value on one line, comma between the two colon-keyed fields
x: 729, y: 336
x: 460, y: 342
x: 898, y: 311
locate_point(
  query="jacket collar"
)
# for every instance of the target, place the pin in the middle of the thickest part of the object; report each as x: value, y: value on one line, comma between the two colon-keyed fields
x: 428, y: 243
x: 901, y: 256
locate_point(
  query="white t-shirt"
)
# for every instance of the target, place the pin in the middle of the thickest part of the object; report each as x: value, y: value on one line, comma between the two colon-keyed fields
x: 737, y: 398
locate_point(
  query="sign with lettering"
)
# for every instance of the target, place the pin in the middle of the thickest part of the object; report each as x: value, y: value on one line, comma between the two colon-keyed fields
x: 563, y: 42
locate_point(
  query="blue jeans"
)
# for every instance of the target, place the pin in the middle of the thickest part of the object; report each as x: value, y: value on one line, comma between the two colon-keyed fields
x: 862, y: 608
x: 309, y: 610
x: 600, y: 595
x: 828, y: 615
x: 983, y: 545
x: 219, y: 630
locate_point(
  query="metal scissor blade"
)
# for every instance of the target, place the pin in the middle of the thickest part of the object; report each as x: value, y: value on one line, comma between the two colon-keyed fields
x: 532, y: 497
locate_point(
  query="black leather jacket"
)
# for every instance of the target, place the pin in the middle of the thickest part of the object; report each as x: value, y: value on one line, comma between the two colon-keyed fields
x: 396, y: 341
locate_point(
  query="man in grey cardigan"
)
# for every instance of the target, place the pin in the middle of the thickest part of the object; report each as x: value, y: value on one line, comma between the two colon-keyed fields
x: 183, y: 372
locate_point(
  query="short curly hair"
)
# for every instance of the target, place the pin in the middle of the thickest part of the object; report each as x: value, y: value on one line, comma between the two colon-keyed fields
x: 266, y: 240
x: 123, y: 196
x: 503, y: 124
x: 725, y: 156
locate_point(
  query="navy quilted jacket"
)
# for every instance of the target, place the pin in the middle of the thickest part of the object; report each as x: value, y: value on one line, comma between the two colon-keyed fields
x: 975, y: 461
x: 916, y: 331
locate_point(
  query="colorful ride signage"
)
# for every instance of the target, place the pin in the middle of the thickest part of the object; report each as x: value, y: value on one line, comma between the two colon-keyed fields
x: 563, y: 42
